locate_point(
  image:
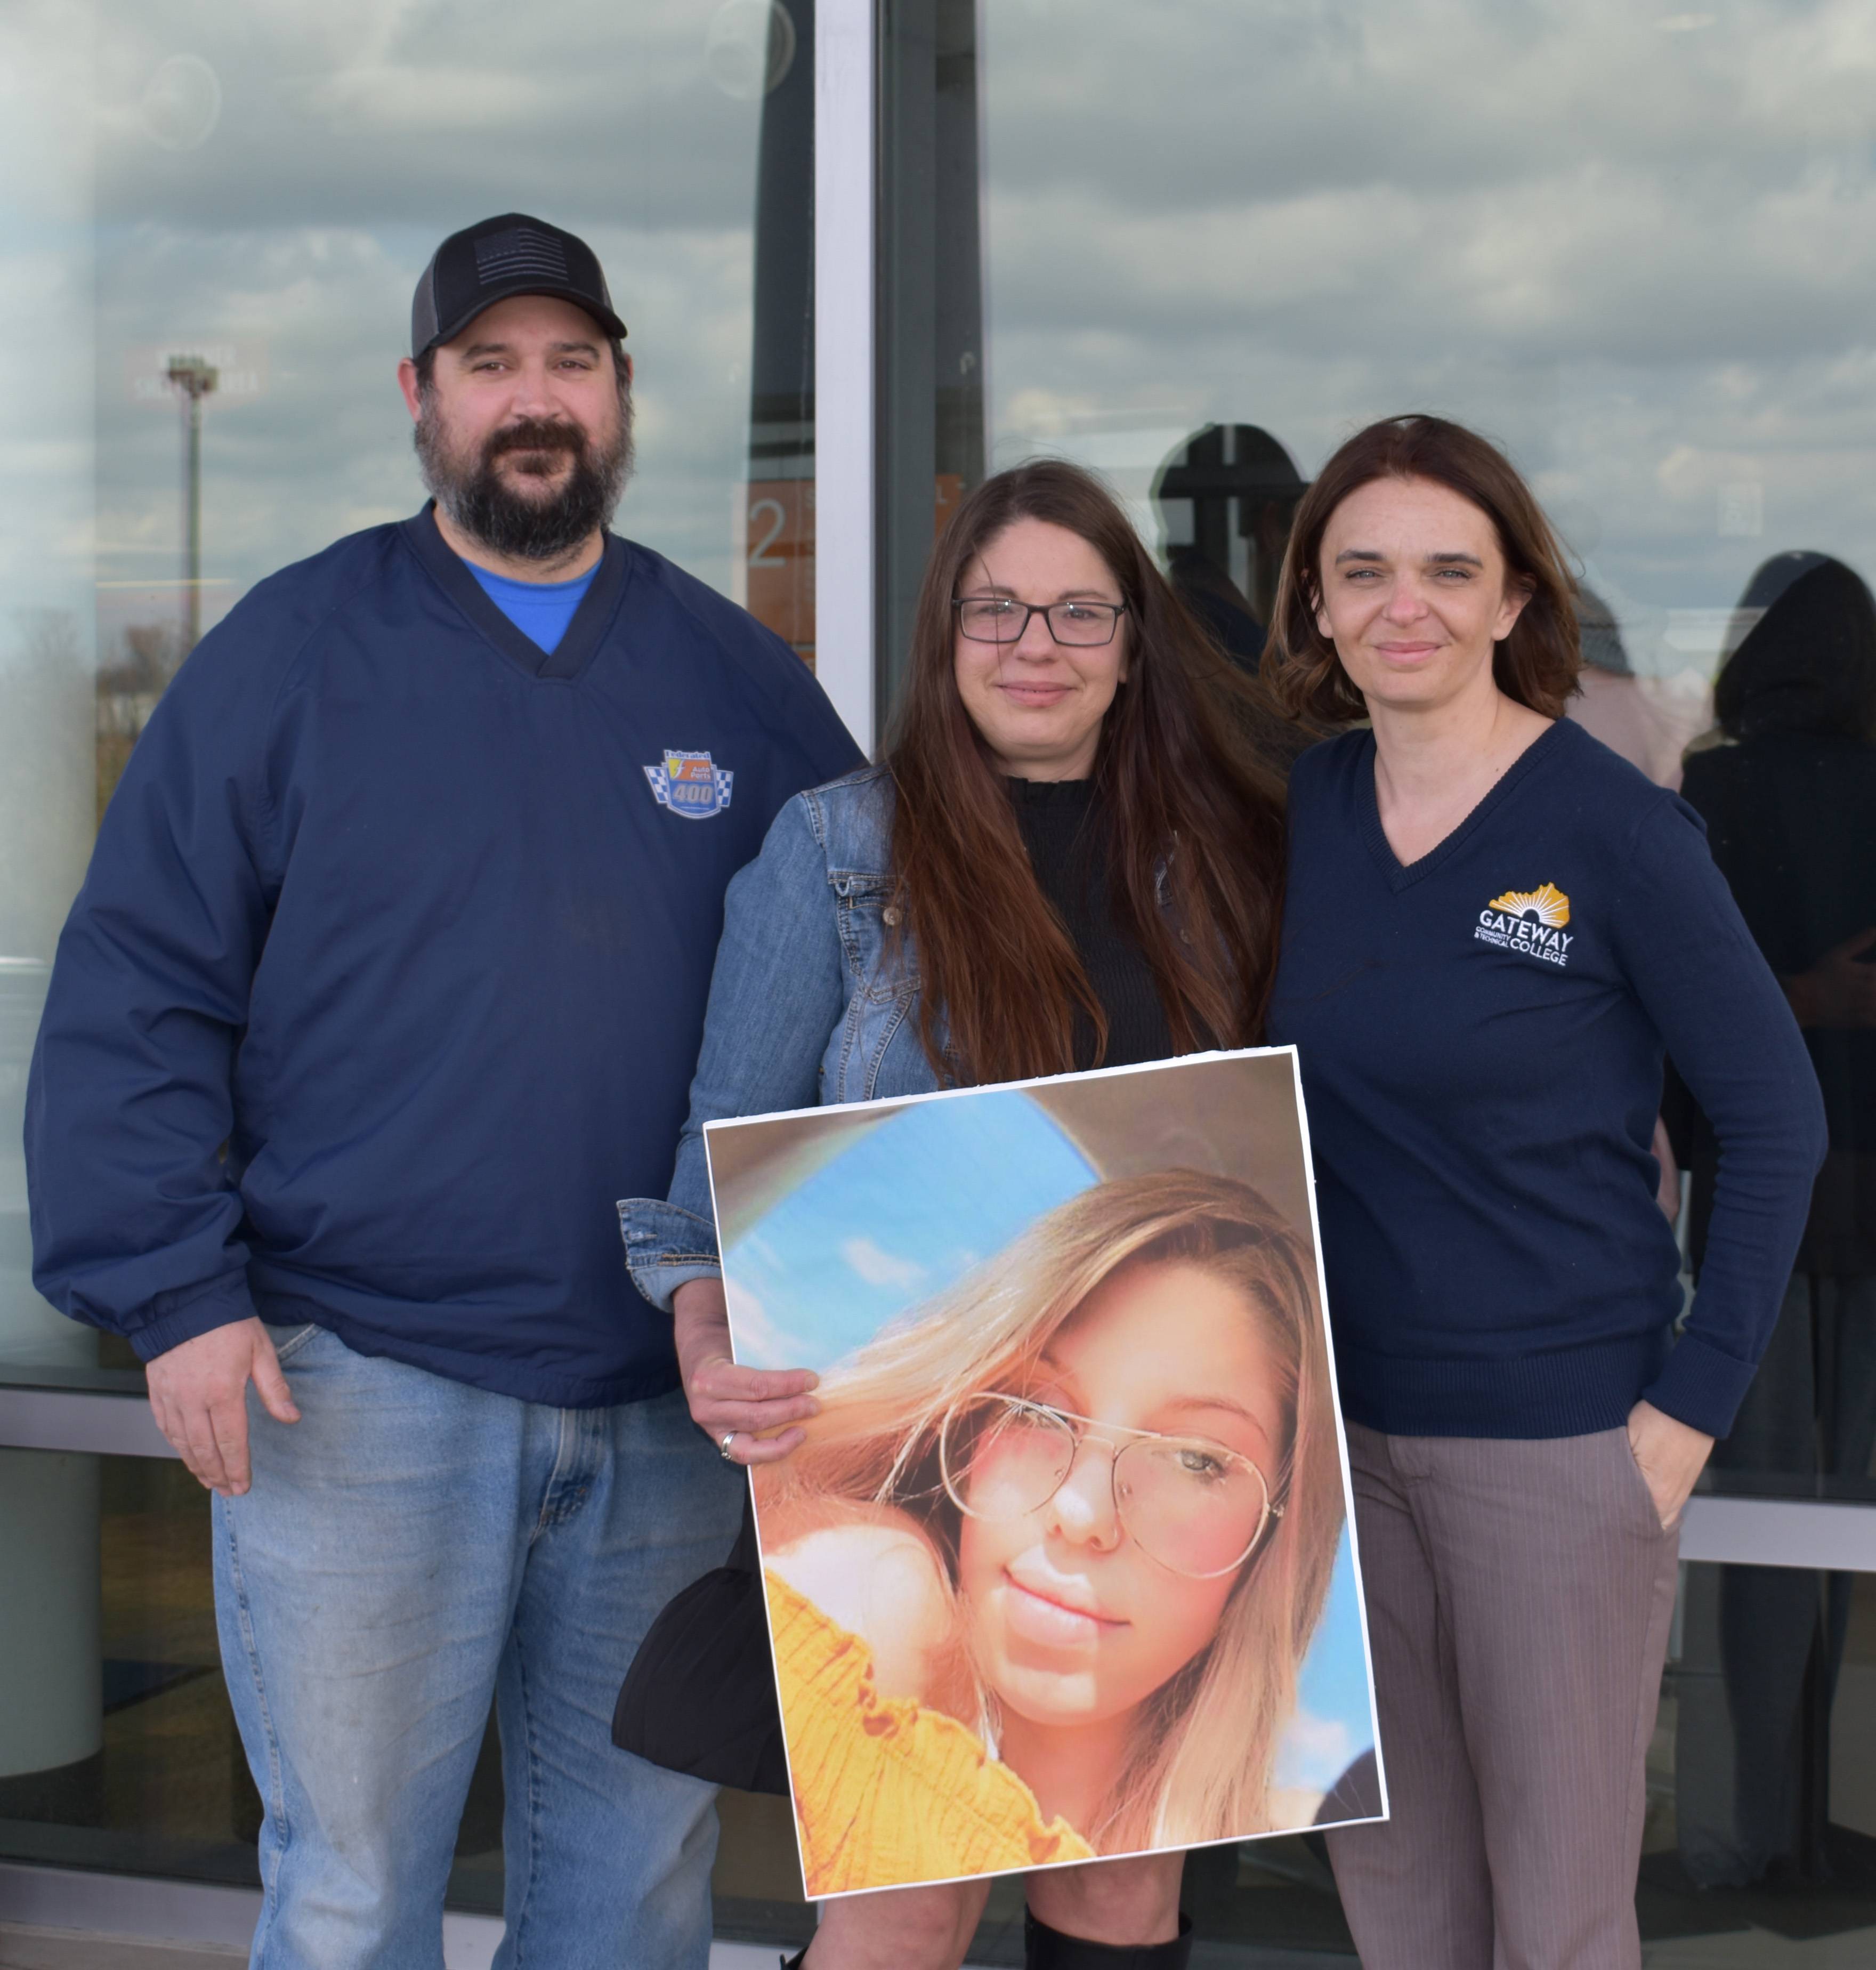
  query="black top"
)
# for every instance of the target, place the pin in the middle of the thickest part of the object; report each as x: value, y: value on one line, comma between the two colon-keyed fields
x: 1065, y: 827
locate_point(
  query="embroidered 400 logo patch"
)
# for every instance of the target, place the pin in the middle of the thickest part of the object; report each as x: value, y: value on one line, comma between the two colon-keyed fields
x: 1528, y: 920
x: 689, y: 784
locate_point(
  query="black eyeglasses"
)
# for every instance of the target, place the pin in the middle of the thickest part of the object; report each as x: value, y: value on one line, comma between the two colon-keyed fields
x: 1001, y: 618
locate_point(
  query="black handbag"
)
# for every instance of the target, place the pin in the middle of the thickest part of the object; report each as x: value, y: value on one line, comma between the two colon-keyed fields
x: 699, y: 1697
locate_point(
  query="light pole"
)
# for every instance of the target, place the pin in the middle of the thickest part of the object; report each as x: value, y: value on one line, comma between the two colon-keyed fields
x: 195, y: 379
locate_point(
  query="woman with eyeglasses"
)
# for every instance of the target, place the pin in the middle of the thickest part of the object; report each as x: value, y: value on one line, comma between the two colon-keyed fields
x: 1083, y: 1509
x: 1066, y: 859
x: 1495, y: 929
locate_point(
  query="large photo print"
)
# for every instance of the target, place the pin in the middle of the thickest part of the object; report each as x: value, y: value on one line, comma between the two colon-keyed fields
x: 1065, y: 1567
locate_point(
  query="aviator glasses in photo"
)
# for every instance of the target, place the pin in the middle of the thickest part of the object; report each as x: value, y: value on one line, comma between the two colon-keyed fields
x: 1195, y: 1506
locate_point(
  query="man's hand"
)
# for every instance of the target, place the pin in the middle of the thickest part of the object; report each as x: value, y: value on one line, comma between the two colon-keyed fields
x: 199, y: 1392
x: 1670, y: 1456
x: 724, y: 1398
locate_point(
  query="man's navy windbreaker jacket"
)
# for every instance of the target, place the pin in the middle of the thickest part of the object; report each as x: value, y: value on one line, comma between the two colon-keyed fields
x: 388, y: 974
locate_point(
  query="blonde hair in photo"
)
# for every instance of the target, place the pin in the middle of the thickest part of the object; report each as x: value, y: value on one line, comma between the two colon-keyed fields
x: 1199, y: 1768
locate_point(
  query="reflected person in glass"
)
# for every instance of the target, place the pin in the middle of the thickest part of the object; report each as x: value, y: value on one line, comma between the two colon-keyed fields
x: 1493, y: 929
x: 1785, y: 783
x: 1202, y: 500
x: 1022, y: 887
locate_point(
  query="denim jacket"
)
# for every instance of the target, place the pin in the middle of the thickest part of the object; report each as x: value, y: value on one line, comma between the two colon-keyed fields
x: 814, y: 999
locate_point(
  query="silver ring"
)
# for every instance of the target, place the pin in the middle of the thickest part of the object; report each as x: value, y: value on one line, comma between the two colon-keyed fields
x: 723, y: 1448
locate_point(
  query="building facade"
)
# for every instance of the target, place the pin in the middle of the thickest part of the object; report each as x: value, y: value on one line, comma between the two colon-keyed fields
x: 869, y: 250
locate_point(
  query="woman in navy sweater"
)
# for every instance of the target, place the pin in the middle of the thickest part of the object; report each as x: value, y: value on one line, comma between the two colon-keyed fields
x: 1494, y: 930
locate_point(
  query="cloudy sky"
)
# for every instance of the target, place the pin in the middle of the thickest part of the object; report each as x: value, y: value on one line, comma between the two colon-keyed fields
x: 1635, y: 241
x: 265, y: 179
x: 271, y: 179
x: 1637, y: 244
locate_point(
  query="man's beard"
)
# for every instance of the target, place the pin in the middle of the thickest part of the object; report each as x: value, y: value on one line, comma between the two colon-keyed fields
x: 510, y: 521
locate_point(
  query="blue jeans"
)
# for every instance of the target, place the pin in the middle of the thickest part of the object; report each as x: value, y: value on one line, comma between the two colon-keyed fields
x: 410, y: 1549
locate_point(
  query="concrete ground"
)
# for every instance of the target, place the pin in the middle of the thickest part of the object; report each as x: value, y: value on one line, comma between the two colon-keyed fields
x: 27, y: 1949
x: 65, y: 1949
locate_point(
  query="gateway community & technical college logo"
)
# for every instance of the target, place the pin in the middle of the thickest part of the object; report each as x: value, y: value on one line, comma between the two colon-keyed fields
x: 1530, y: 920
x: 688, y: 784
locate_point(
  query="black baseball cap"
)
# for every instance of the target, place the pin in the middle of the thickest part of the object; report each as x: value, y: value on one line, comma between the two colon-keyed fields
x: 495, y: 257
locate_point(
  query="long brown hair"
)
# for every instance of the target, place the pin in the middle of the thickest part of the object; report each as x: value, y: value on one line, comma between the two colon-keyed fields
x: 1536, y: 666
x: 1000, y: 983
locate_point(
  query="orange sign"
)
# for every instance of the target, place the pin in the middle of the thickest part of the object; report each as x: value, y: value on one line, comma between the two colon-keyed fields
x: 779, y: 555
x: 779, y: 559
x: 951, y: 490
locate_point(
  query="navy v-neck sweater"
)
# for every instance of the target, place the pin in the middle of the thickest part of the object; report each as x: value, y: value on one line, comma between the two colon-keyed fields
x: 1480, y: 1035
x: 417, y: 918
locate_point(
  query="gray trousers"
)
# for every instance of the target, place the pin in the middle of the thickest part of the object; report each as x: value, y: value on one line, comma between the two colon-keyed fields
x: 1519, y: 1596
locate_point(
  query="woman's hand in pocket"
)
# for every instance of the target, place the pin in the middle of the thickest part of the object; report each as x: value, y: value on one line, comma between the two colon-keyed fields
x: 754, y: 1408
x: 1670, y: 1456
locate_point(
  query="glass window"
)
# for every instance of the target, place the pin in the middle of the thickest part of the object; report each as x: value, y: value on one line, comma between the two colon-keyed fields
x: 1761, y: 1826
x: 1628, y: 242
x: 1196, y: 245
x: 1214, y: 240
x: 212, y: 218
x: 125, y: 1759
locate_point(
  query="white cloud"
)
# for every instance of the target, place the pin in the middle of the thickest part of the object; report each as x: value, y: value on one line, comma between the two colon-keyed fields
x: 879, y: 1267
x: 1646, y: 262
x: 760, y: 1342
x: 1313, y: 1752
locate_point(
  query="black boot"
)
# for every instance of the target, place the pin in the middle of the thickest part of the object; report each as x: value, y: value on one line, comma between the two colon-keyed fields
x: 794, y: 1962
x: 1046, y: 1948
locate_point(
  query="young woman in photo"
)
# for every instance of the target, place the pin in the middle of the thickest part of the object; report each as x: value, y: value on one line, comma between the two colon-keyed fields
x: 1065, y: 859
x: 1494, y: 929
x: 1082, y: 1512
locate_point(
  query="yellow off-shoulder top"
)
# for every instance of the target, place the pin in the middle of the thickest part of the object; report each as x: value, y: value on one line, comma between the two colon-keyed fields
x: 887, y: 1792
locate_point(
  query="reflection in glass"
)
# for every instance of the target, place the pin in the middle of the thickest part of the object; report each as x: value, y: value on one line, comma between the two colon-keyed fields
x: 1225, y: 499
x: 1787, y: 784
x: 193, y: 190
x: 1616, y: 242
x: 157, y: 1783
x: 197, y: 186
x: 931, y: 296
x: 1611, y: 703
x: 1733, y: 1770
x: 1203, y: 213
x: 778, y: 507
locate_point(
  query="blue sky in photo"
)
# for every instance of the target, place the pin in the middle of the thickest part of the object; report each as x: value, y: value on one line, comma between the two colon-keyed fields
x: 904, y: 1212
x: 1333, y: 1724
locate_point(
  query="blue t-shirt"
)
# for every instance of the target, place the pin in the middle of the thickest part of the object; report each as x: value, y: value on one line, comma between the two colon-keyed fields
x: 540, y: 610
x: 1480, y: 1035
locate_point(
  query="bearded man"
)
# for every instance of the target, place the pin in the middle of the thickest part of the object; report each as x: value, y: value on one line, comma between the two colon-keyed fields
x: 386, y: 980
